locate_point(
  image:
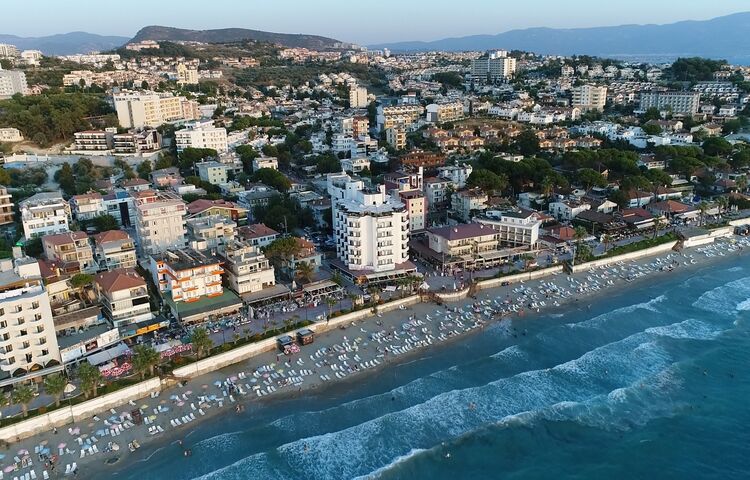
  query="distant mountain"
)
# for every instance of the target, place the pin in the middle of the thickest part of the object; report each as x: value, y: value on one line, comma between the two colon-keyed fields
x: 223, y: 35
x: 65, y: 43
x: 722, y: 37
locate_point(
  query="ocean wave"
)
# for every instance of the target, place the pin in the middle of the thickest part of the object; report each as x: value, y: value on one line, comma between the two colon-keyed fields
x: 396, y: 461
x: 690, y: 329
x: 570, y: 387
x: 726, y: 299
x: 600, y: 320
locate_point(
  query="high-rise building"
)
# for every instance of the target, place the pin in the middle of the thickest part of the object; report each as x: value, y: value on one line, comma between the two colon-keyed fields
x: 357, y: 97
x: 371, y: 228
x: 396, y: 137
x: 677, y: 102
x: 28, y: 344
x: 12, y: 82
x: 8, y: 51
x: 494, y: 67
x: 151, y: 109
x: 159, y: 221
x: 186, y: 75
x: 590, y: 97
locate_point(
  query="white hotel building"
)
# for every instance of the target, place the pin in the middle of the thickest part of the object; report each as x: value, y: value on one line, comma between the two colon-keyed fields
x: 516, y: 228
x: 371, y: 228
x: 202, y: 135
x: 159, y: 221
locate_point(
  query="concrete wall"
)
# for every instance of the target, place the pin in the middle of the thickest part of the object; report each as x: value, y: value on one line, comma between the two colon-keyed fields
x: 518, y: 277
x: 81, y: 412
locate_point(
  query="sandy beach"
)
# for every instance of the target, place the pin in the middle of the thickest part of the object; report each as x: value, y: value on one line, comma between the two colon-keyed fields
x: 101, y: 445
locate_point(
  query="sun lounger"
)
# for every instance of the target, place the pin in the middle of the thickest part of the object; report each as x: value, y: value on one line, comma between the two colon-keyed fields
x: 74, y: 467
x: 45, y: 475
x: 67, y: 469
x: 200, y: 410
x: 192, y: 405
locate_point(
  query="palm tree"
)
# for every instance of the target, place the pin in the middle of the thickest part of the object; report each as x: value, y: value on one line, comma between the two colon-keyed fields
x: 723, y: 203
x: 742, y: 183
x: 607, y: 241
x: 579, y: 234
x: 90, y: 377
x: 22, y: 395
x: 659, y: 222
x: 201, y: 341
x: 330, y: 302
x: 145, y: 359
x: 55, y: 385
x: 305, y: 271
x: 374, y: 292
x: 703, y: 207
x: 527, y: 259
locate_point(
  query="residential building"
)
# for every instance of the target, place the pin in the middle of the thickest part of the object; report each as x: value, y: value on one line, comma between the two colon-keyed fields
x: 72, y: 250
x: 392, y: 116
x: 686, y: 103
x: 436, y: 193
x: 307, y: 253
x: 493, y: 67
x: 213, y: 172
x: 461, y: 245
x: 465, y: 204
x: 515, y: 228
x: 355, y: 165
x: 396, y: 137
x: 87, y: 206
x: 6, y: 207
x: 590, y: 97
x: 265, y: 162
x: 247, y: 268
x: 124, y: 297
x: 204, y: 208
x: 136, y: 185
x: 420, y: 158
x: 166, y: 177
x: 10, y: 135
x: 445, y: 112
x: 159, y: 221
x: 210, y: 232
x: 11, y: 83
x: 8, y: 51
x: 114, y: 249
x: 93, y: 141
x: 190, y: 283
x: 120, y: 205
x: 370, y: 228
x: 43, y: 214
x: 151, y: 109
x: 31, y: 57
x: 186, y: 75
x: 257, y: 235
x: 28, y: 345
x: 357, y: 97
x: 202, y: 135
x: 407, y: 186
x: 147, y: 141
x: 458, y: 175
x: 567, y: 210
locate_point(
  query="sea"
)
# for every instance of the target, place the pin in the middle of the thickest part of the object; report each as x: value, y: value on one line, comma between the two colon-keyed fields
x: 650, y: 381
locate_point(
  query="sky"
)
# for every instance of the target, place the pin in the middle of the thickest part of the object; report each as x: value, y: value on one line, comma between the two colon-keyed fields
x: 359, y: 22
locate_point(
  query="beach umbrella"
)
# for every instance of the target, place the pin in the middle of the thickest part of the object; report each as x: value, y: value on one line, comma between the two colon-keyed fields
x: 69, y: 388
x: 23, y: 451
x: 43, y: 442
x: 217, y: 383
x: 233, y: 378
x: 189, y: 392
x: 253, y: 380
x: 9, y: 468
x: 45, y: 451
x: 62, y: 445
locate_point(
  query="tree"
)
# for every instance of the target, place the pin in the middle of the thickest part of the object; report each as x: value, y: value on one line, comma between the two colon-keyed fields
x: 579, y: 234
x: 305, y: 271
x: 723, y: 203
x: 65, y: 178
x: 607, y: 241
x: 659, y: 223
x: 144, y: 170
x: 651, y: 129
x: 716, y: 146
x: 190, y: 156
x: 202, y: 343
x: 527, y: 143
x: 127, y: 170
x: 651, y: 114
x: 282, y: 250
x: 105, y: 223
x: 590, y: 178
x: 54, y: 385
x: 90, y: 377
x: 488, y: 181
x: 80, y: 280
x: 22, y: 395
x: 272, y: 178
x: 331, y: 302
x: 703, y: 207
x: 33, y: 247
x: 145, y: 359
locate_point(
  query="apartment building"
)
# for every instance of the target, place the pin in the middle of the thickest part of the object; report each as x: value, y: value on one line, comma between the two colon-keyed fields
x: 10, y: 135
x: 445, y: 112
x: 6, y: 207
x: 186, y: 75
x: 257, y: 234
x: 28, y: 345
x: 467, y: 203
x: 87, y: 206
x: 589, y: 97
x: 151, y: 109
x: 11, y: 83
x: 93, y: 141
x: 515, y: 228
x: 204, y: 208
x: 420, y: 158
x: 124, y: 297
x: 114, y: 249
x: 72, y: 250
x: 458, y: 175
x: 686, y: 103
x: 396, y: 137
x: 357, y: 97
x: 467, y: 240
x: 493, y: 67
x: 202, y: 135
x: 8, y: 51
x: 214, y: 173
x: 159, y: 221
x: 370, y: 228
x: 44, y: 214
x: 121, y: 206
x: 398, y: 115
x: 247, y: 268
x: 407, y: 186
x: 210, y: 233
x: 265, y: 162
x: 137, y: 142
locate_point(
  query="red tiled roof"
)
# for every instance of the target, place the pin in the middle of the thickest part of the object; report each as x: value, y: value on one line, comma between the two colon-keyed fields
x: 119, y: 279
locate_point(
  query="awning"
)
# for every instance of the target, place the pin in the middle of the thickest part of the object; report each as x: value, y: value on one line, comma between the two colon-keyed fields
x: 108, y: 355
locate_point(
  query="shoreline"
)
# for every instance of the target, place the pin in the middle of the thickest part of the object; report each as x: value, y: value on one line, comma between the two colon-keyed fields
x: 428, y: 329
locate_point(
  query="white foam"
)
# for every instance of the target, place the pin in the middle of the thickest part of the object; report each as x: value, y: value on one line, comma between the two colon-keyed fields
x: 687, y: 329
x: 726, y: 299
x: 600, y: 320
x: 400, y: 459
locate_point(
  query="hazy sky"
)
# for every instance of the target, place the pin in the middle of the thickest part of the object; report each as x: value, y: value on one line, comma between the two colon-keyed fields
x: 361, y: 22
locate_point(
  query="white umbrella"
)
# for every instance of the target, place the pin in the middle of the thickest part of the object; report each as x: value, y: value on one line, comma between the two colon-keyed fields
x: 69, y: 388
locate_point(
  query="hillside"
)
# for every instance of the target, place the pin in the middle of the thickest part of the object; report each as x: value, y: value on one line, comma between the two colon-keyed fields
x: 65, y: 43
x: 722, y: 37
x: 225, y: 35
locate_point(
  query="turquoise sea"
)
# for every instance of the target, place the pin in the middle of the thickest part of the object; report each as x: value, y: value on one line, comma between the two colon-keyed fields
x: 650, y: 382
